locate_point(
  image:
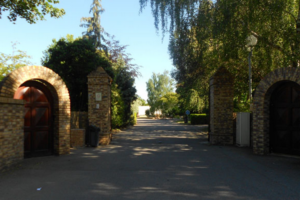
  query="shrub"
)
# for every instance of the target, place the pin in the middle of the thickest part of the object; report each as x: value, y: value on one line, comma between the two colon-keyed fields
x: 148, y: 112
x: 199, y: 119
x: 134, y: 118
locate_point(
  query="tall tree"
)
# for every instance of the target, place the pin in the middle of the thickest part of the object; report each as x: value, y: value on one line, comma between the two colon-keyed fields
x: 206, y: 34
x: 103, y: 41
x: 93, y: 24
x: 169, y: 104
x: 73, y: 59
x: 30, y: 10
x: 158, y: 86
x: 124, y: 82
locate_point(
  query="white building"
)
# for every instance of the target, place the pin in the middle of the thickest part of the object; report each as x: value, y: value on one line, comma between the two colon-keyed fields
x: 142, y: 110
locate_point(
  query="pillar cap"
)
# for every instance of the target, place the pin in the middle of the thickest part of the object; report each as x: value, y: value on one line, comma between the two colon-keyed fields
x: 101, y: 73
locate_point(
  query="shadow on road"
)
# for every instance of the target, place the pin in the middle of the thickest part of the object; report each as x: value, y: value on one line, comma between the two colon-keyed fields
x: 157, y: 159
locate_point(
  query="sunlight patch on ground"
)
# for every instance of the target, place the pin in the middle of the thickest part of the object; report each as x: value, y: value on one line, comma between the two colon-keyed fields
x: 186, y: 173
x: 105, y: 188
x: 159, y: 190
x: 139, y: 151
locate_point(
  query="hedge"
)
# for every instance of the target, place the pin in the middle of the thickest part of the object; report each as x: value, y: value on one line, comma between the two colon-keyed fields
x: 199, y: 119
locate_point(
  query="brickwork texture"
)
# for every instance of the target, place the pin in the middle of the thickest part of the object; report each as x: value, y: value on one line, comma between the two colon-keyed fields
x: 11, y: 132
x: 99, y: 113
x: 61, y: 97
x: 221, y: 108
x: 77, y: 137
x: 79, y: 123
x: 261, y: 106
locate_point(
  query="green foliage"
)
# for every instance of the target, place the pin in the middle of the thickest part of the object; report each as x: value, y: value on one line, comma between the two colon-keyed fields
x: 138, y: 102
x: 199, y: 119
x: 158, y: 86
x: 147, y: 112
x: 73, y: 60
x: 207, y: 34
x: 93, y: 24
x: 8, y: 63
x: 134, y: 121
x: 124, y: 82
x: 241, y: 105
x: 30, y: 10
x: 169, y: 104
x: 117, y: 108
x: 123, y: 90
x: 143, y: 101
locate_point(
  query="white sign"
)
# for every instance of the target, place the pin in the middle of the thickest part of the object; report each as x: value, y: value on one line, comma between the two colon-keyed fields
x: 98, y: 96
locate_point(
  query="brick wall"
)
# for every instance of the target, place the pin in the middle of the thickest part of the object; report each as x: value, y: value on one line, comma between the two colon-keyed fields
x: 77, y: 137
x: 11, y: 132
x: 221, y: 108
x: 261, y: 106
x: 61, y: 97
x: 99, y: 98
x: 79, y: 123
x: 79, y: 120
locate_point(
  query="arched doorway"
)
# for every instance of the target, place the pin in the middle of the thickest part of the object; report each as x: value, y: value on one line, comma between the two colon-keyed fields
x: 275, y: 106
x: 285, y: 119
x: 53, y: 85
x: 38, y: 120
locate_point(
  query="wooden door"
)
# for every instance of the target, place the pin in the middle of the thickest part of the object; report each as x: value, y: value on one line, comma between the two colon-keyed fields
x: 38, y: 137
x: 285, y: 119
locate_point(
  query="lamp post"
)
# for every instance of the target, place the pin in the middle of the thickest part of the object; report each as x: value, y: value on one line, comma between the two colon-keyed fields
x: 251, y: 41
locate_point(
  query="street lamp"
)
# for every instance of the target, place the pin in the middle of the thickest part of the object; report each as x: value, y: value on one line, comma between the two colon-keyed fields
x: 251, y: 41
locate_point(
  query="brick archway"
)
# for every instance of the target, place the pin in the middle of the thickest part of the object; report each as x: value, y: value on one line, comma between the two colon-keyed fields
x: 261, y: 106
x: 60, y: 94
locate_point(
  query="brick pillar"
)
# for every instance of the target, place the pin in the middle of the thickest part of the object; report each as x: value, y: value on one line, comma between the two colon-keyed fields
x: 99, y: 95
x: 221, y: 108
x: 11, y: 132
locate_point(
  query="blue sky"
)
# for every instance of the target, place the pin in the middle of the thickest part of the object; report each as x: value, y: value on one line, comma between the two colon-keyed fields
x: 121, y: 18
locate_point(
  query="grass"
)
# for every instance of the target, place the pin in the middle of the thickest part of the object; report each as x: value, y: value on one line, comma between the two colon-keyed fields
x: 181, y: 121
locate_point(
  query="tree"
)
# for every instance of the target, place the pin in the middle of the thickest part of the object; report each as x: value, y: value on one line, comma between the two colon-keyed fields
x: 73, y: 59
x: 122, y: 90
x: 125, y: 88
x: 17, y: 59
x: 157, y: 86
x: 104, y: 42
x: 93, y: 24
x: 169, y: 103
x: 30, y: 10
x: 206, y: 32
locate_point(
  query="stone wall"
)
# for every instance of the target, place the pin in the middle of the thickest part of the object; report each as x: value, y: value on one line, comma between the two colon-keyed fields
x: 221, y: 108
x: 99, y: 98
x: 11, y: 132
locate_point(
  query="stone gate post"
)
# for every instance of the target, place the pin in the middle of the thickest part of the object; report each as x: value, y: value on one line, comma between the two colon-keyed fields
x: 99, y: 102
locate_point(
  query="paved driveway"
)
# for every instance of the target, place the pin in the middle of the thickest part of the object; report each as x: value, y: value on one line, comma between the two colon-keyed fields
x: 157, y: 159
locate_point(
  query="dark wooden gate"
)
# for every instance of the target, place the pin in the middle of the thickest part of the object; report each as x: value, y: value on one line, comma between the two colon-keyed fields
x: 38, y: 137
x: 285, y: 119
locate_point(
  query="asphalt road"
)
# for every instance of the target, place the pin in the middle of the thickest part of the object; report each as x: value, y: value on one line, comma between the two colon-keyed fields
x: 157, y: 159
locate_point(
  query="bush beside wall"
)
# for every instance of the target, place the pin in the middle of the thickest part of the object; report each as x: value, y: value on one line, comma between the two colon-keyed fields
x: 199, y: 119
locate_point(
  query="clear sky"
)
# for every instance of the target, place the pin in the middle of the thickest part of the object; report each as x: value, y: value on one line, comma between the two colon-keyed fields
x: 121, y: 19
